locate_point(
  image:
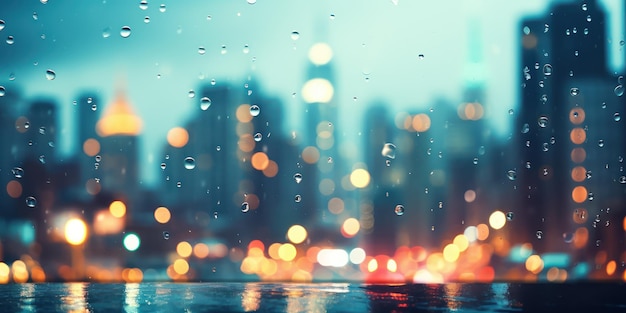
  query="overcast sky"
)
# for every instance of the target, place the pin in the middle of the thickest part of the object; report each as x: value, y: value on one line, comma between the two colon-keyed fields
x: 380, y: 40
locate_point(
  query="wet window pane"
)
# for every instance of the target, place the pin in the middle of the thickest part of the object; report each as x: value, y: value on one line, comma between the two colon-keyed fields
x: 387, y: 141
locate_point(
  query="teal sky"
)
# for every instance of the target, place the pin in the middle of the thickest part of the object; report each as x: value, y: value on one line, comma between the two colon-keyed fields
x: 160, y: 61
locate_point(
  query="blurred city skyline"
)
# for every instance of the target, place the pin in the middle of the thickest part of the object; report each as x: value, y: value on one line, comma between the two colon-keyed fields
x: 172, y: 53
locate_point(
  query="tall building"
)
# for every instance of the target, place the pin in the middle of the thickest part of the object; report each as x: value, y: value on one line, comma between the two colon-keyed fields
x: 118, y: 166
x: 88, y: 141
x: 569, y: 115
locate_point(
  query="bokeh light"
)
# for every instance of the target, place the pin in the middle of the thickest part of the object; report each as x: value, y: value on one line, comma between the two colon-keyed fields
x: 131, y: 242
x: 497, y: 220
x: 162, y: 215
x: 360, y: 178
x: 296, y: 234
x: 177, y: 137
x: 117, y: 208
x: 75, y: 231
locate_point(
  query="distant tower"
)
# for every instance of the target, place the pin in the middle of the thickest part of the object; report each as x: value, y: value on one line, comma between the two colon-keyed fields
x: 118, y: 129
x: 42, y: 116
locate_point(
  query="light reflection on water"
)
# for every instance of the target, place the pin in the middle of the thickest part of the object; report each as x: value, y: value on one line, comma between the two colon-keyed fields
x: 322, y: 297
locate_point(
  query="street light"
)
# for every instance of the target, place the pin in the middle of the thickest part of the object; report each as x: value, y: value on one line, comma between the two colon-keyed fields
x: 75, y: 235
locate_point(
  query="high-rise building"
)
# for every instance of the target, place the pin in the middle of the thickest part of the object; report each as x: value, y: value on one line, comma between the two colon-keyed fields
x: 569, y: 115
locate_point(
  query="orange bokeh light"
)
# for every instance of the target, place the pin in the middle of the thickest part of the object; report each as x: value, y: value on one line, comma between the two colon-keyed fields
x: 579, y: 194
x: 91, y: 147
x: 260, y: 161
x: 14, y: 189
x: 578, y: 135
x: 162, y: 215
x: 177, y: 137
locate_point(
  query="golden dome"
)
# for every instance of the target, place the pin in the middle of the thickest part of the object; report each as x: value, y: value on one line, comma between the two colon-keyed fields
x: 119, y: 119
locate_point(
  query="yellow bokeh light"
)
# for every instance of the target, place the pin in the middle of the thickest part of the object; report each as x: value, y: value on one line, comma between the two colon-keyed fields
x: 91, y: 147
x: 201, y: 250
x: 421, y: 122
x: 260, y: 161
x: 350, y: 227
x: 177, y: 137
x: 392, y: 266
x: 20, y: 271
x: 451, y: 253
x: 461, y: 242
x: 372, y: 265
x: 296, y: 234
x: 287, y: 252
x: 162, y: 215
x: 360, y: 178
x: 5, y: 271
x: 183, y: 249
x: 320, y: 53
x: 181, y: 267
x: 75, y: 231
x: 534, y: 264
x: 117, y: 209
x: 497, y: 220
x: 243, y: 113
x: 317, y: 90
x: 272, y: 251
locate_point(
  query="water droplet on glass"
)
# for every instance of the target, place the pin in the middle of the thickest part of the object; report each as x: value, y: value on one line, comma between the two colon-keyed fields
x: 190, y: 163
x: 31, y: 202
x: 545, y: 147
x: 125, y: 32
x: 245, y: 207
x: 2, y: 91
x: 622, y: 179
x: 475, y: 161
x: 191, y: 94
x: 143, y: 4
x: 389, y: 151
x: 295, y: 35
x: 598, y: 242
x: 600, y: 143
x: 297, y: 177
x: 50, y: 74
x: 568, y: 237
x: 588, y: 18
x: 528, y: 164
x: 146, y: 19
x: 163, y: 166
x: 525, y: 128
x: 539, y: 234
x: 511, y: 112
x: 542, y: 121
x: 616, y: 117
x: 10, y: 40
x: 2, y: 24
x: 510, y: 216
x: 166, y: 235
x: 332, y: 16
x: 588, y: 174
x: 201, y: 50
x: 18, y: 172
x: 420, y: 56
x: 298, y: 198
x: 255, y: 110
x: 205, y: 103
x: 218, y: 148
x: 42, y: 159
x: 547, y: 69
x: 258, y: 137
x: 574, y: 91
x: 223, y: 51
x: 511, y: 174
x: 584, y: 7
x: 162, y: 8
x: 246, y: 49
x: 251, y: 1
x: 399, y: 210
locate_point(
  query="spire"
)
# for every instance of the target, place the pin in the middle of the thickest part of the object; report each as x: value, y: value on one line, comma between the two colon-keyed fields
x: 119, y: 119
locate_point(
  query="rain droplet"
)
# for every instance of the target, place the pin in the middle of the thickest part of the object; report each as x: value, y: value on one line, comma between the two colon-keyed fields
x: 295, y: 35
x: 251, y: 1
x: 212, y: 82
x: 389, y: 151
x: 146, y: 19
x: 191, y: 94
x: 622, y: 179
x: 510, y: 216
x: 106, y: 33
x: 2, y: 91
x: 475, y: 161
x: 568, y: 237
x: 2, y: 24
x: 245, y: 207
x: 258, y: 137
x: 218, y: 148
x: 10, y: 40
x: 511, y: 174
x: 143, y: 4
x: 125, y: 32
x: 179, y: 184
x: 297, y: 177
x: 42, y: 159
x: 542, y: 121
x: 525, y: 128
x: 205, y: 103
x: 511, y: 112
x: 547, y: 69
x: 420, y: 56
x: 162, y: 8
x: 31, y: 202
x: 166, y: 235
x: 18, y: 172
x: 50, y: 74
x: 332, y: 16
x: 163, y: 166
x: 298, y: 198
x: 539, y: 234
x: 224, y: 51
x: 399, y: 210
x: 255, y: 110
x: 574, y: 91
x: 246, y: 49
x: 201, y: 50
x: 528, y: 164
x: 584, y: 6
x: 616, y: 117
x: 190, y: 163
x: 600, y: 143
